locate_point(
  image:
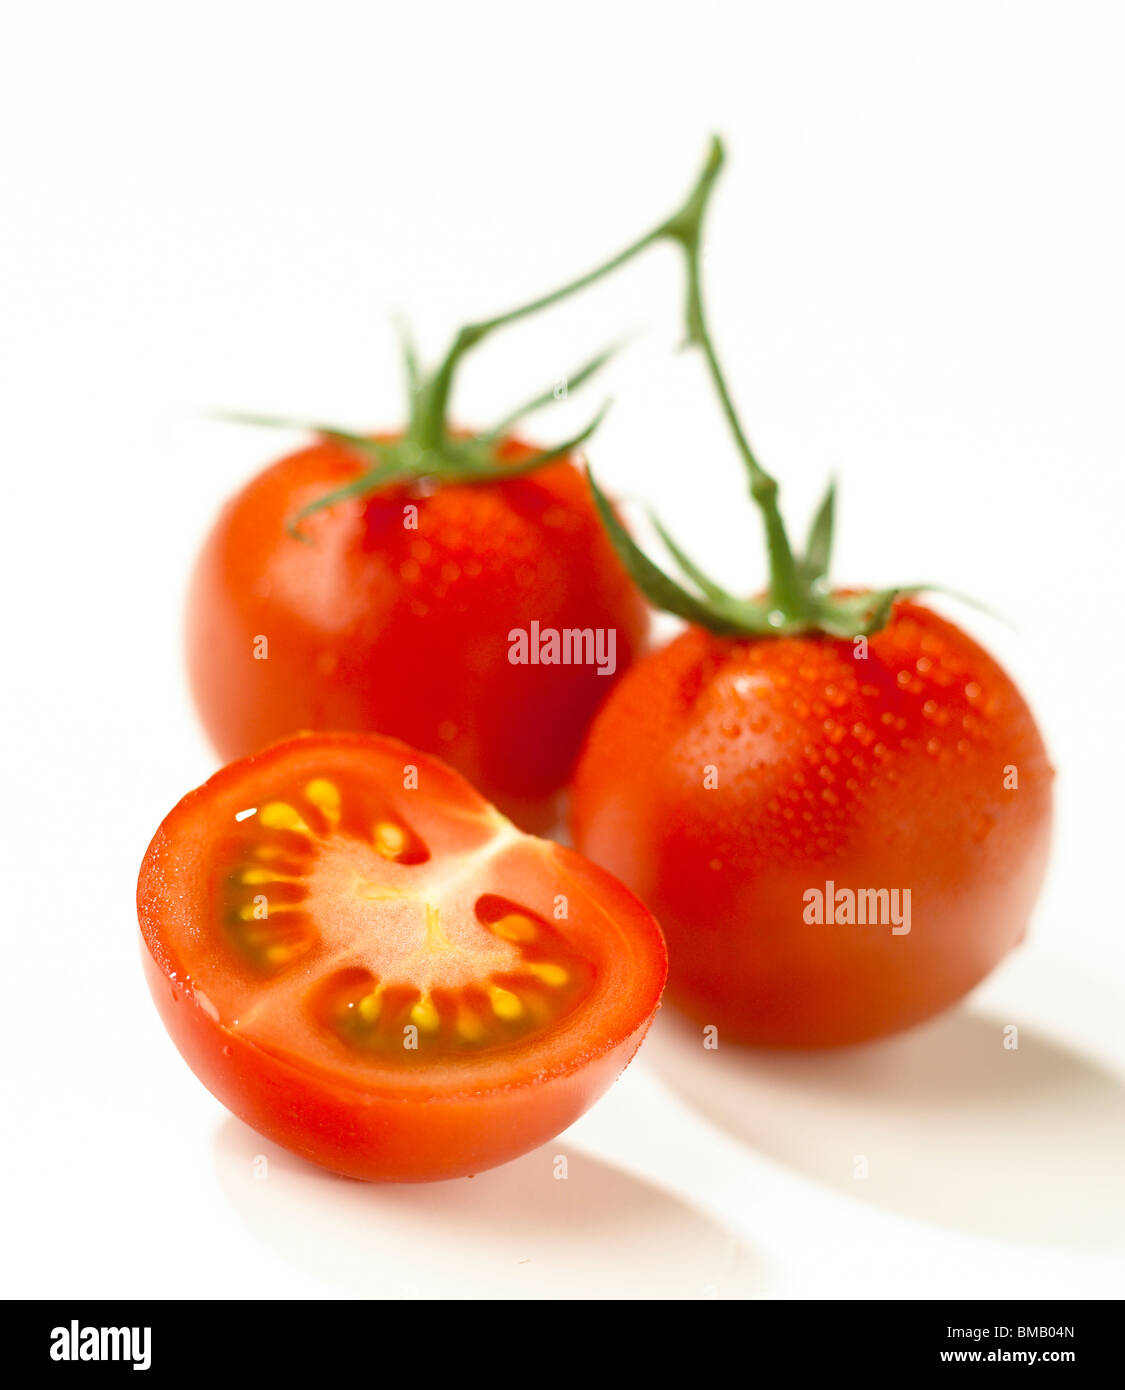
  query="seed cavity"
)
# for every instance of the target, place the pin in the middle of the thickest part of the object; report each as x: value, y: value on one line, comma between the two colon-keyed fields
x: 469, y: 1026
x: 463, y: 988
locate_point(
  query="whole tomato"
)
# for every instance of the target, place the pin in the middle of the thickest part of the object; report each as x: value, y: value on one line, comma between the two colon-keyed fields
x: 736, y: 784
x: 394, y: 610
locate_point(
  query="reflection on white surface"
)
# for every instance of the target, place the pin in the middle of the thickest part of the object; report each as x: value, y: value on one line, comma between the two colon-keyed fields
x: 943, y: 1124
x: 513, y: 1232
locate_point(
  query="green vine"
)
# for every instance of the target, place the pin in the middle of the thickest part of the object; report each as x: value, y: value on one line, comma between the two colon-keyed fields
x: 429, y: 449
x: 798, y: 598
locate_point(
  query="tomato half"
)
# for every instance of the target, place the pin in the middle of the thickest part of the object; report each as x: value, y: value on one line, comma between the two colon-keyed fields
x: 740, y: 785
x: 394, y: 616
x: 366, y: 962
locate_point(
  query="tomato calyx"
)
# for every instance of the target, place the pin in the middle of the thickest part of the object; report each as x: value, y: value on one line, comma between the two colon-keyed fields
x: 463, y: 458
x: 430, y: 451
x: 799, y: 598
x: 808, y: 605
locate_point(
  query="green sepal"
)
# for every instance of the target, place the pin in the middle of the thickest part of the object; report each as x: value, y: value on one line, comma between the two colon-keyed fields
x: 691, y: 570
x: 857, y: 615
x: 472, y: 460
x: 370, y: 481
x: 573, y: 382
x: 361, y: 442
x: 411, y: 369
x: 818, y: 547
x: 727, y: 617
x: 490, y: 470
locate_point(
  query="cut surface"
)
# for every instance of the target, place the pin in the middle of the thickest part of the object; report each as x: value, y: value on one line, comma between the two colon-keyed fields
x: 348, y: 905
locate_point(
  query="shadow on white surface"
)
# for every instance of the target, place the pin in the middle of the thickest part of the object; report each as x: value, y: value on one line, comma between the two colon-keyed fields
x: 947, y: 1124
x: 512, y: 1232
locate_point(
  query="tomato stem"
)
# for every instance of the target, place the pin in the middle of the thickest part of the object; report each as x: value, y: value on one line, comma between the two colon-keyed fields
x: 786, y: 590
x: 430, y: 425
x: 799, y: 598
x: 429, y: 449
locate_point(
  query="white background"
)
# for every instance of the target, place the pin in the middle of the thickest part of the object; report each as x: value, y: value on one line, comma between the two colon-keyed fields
x: 916, y: 282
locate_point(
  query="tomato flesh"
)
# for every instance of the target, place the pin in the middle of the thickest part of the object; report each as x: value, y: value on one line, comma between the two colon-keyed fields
x: 367, y: 962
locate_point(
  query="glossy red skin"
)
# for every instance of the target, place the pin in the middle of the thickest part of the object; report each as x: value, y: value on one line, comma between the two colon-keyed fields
x: 373, y: 626
x: 883, y: 773
x: 377, y: 1132
x: 378, y: 1138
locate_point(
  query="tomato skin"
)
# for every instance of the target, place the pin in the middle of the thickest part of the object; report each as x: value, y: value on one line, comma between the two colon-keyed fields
x: 879, y: 773
x: 378, y: 1139
x: 381, y: 1131
x: 373, y: 625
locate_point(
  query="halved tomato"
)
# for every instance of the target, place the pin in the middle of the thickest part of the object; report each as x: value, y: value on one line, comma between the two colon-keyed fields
x: 366, y: 962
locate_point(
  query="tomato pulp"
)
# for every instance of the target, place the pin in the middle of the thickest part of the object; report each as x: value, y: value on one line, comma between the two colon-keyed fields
x: 750, y: 791
x: 365, y: 961
x: 395, y: 614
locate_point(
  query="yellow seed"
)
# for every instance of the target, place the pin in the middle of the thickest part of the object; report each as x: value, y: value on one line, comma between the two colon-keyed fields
x: 269, y: 851
x: 278, y: 815
x: 425, y: 1014
x: 390, y: 839
x: 325, y: 796
x: 469, y: 1026
x: 515, y: 927
x: 553, y: 975
x: 277, y: 954
x: 504, y: 1003
x: 266, y: 876
x: 370, y: 1006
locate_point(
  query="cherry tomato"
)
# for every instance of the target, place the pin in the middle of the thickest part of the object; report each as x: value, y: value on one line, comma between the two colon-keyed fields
x: 396, y: 614
x: 366, y: 962
x: 739, y: 785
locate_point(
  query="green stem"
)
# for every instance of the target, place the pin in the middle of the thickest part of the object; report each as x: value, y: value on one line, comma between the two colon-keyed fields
x: 787, y: 593
x: 429, y: 423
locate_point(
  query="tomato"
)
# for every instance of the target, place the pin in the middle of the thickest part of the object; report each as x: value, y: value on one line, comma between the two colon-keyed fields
x: 362, y: 959
x: 395, y: 615
x: 741, y: 785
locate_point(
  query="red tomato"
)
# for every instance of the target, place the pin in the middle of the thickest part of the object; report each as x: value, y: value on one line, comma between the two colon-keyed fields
x: 367, y: 963
x: 397, y: 621
x: 733, y: 783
